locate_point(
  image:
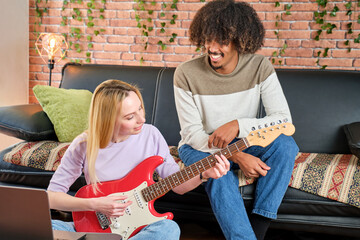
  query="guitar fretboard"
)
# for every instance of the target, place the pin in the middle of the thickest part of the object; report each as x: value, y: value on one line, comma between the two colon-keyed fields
x: 163, y: 186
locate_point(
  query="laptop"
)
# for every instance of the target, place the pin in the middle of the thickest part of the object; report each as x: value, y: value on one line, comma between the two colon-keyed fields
x: 25, y: 214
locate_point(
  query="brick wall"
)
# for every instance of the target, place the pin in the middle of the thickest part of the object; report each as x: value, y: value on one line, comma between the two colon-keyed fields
x: 121, y: 41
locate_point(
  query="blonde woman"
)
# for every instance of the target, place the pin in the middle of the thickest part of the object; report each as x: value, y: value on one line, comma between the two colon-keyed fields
x: 116, y: 141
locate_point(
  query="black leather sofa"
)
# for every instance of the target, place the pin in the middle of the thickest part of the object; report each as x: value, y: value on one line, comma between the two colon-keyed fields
x: 321, y: 103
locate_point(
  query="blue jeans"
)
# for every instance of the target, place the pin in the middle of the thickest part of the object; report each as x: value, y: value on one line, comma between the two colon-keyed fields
x: 160, y: 230
x: 225, y: 198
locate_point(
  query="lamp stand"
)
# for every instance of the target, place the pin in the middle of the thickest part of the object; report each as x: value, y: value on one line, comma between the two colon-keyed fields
x: 51, y: 67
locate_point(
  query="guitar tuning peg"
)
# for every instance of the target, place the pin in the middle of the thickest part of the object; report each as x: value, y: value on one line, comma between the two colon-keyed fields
x: 279, y: 122
x: 286, y: 120
x: 259, y: 127
x: 272, y: 124
x: 253, y: 129
x: 266, y: 125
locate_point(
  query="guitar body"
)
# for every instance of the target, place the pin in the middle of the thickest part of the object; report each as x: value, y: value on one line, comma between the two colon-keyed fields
x: 139, y: 185
x: 139, y: 214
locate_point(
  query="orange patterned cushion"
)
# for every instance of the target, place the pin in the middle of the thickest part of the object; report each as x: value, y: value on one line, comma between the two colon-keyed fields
x: 333, y: 176
x: 45, y: 155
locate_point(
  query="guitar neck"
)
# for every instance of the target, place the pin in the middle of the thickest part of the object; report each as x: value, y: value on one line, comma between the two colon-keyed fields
x: 163, y: 186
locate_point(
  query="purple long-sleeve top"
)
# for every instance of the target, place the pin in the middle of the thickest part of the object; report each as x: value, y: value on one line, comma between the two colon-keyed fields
x: 115, y: 161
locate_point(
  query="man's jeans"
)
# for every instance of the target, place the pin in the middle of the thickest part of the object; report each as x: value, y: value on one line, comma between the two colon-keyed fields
x: 225, y: 198
x: 160, y: 230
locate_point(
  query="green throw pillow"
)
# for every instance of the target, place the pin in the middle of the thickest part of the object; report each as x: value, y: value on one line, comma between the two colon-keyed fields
x: 67, y: 109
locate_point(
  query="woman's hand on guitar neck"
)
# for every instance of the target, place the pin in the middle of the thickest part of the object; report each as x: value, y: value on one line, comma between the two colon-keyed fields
x: 111, y: 205
x: 220, y: 169
x: 250, y: 165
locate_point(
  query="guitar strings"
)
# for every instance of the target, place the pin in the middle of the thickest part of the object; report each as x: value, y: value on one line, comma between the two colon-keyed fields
x: 235, y: 147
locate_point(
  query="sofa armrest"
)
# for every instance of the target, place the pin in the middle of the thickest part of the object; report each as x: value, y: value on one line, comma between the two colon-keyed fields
x: 352, y: 132
x: 28, y: 122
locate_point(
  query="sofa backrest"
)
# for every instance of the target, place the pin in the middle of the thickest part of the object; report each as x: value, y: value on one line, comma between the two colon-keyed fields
x: 321, y: 102
x: 89, y: 76
x: 165, y: 115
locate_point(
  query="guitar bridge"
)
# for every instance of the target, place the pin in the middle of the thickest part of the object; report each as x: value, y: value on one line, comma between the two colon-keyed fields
x: 103, y: 220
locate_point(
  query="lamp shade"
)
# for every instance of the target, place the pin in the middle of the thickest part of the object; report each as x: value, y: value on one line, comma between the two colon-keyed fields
x: 51, y: 46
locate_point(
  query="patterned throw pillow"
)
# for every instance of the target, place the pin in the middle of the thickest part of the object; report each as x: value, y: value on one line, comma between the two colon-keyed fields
x: 45, y: 155
x: 333, y: 176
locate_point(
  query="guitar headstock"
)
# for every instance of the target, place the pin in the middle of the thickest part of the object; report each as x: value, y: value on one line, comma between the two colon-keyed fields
x: 265, y: 136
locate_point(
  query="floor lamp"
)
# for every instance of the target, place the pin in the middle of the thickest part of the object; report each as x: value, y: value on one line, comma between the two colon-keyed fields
x: 51, y: 46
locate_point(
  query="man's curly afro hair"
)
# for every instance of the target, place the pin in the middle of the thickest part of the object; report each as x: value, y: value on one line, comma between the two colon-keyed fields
x: 226, y: 21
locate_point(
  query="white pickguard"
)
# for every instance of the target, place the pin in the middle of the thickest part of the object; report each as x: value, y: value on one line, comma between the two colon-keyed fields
x: 136, y: 215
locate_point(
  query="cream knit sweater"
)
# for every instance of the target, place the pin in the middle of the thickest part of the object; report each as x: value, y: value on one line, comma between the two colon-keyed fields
x: 205, y: 99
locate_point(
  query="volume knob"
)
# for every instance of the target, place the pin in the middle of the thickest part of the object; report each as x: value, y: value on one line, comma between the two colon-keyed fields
x: 117, y: 225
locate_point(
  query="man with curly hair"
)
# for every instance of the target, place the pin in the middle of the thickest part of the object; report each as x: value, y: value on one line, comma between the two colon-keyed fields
x: 218, y: 97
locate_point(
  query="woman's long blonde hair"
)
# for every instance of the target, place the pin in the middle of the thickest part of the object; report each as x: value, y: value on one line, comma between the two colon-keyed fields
x: 102, y: 116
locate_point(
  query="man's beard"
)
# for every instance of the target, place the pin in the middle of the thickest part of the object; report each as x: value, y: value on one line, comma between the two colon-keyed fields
x: 215, y: 68
x: 212, y: 53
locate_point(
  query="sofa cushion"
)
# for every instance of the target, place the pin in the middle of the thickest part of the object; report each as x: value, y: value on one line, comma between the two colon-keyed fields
x: 27, y: 122
x: 45, y: 155
x: 67, y: 109
x: 332, y: 176
x: 17, y: 175
x: 352, y: 132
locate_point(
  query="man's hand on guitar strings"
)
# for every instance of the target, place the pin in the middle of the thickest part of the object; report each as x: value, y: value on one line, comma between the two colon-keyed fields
x: 111, y: 205
x: 220, y: 169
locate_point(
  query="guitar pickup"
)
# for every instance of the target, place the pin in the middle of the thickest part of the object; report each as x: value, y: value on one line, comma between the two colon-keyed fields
x: 128, y: 209
x: 138, y: 199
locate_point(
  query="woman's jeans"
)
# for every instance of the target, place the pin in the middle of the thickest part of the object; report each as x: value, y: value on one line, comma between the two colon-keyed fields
x: 160, y: 230
x: 225, y: 198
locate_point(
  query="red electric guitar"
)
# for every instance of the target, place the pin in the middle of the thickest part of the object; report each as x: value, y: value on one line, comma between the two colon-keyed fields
x: 140, y: 188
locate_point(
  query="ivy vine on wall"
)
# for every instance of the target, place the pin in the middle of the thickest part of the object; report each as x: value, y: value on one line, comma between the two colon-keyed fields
x: 152, y: 16
x: 323, y: 18
x: 76, y: 36
x: 80, y: 35
x: 276, y: 55
x: 156, y: 20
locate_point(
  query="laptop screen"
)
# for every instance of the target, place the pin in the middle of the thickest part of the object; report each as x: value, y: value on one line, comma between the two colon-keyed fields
x: 25, y: 214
